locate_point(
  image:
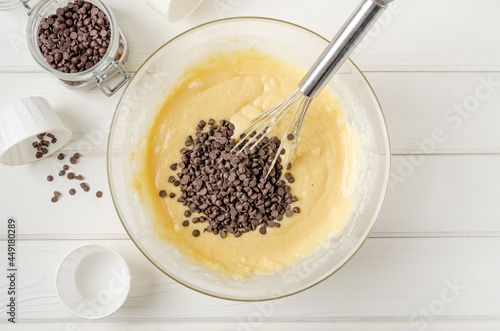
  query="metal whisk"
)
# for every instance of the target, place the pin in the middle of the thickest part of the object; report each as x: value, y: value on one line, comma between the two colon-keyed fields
x: 314, y: 81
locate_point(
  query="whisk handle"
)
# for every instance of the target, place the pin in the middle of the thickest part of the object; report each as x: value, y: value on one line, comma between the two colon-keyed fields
x: 341, y: 46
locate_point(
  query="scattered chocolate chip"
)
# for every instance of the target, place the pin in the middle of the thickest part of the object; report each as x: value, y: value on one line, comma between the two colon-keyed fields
x: 71, y: 175
x: 185, y: 223
x: 263, y: 230
x: 290, y: 136
x: 172, y: 195
x: 187, y: 213
x: 288, y: 213
x: 72, y: 191
x: 72, y: 160
x: 53, y: 199
x: 65, y: 167
x: 39, y: 155
x: 62, y: 173
x: 163, y: 193
x: 98, y: 194
x: 173, y: 166
x: 79, y: 177
x: 60, y: 156
x: 76, y: 156
x: 296, y: 210
x: 196, y: 233
x: 50, y: 178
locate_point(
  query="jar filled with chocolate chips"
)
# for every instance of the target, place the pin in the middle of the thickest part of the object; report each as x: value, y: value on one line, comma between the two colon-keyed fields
x: 78, y: 42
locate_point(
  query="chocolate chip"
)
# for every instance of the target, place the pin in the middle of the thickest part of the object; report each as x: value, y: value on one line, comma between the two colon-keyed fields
x: 196, y: 233
x: 232, y: 193
x: 296, y: 210
x: 98, y: 194
x: 60, y: 156
x: 262, y: 230
x: 288, y: 213
x: 72, y: 191
x: 290, y: 136
x: 65, y: 167
x: 172, y: 195
x: 39, y: 155
x: 73, y: 39
x: 185, y: 223
x: 163, y: 193
x: 71, y: 175
x: 72, y: 160
x: 76, y: 155
x: 53, y: 199
x: 62, y: 173
x: 50, y: 178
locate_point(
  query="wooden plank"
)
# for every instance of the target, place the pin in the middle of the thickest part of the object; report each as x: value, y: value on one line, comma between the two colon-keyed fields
x: 415, y: 105
x: 435, y: 113
x: 193, y: 325
x: 441, y: 196
x: 412, y: 279
x: 26, y: 195
x: 412, y: 35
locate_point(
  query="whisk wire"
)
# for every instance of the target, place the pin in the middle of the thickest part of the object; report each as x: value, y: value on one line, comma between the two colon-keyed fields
x: 297, y: 127
x: 305, y: 101
x: 253, y: 134
x: 281, y: 113
x: 258, y: 121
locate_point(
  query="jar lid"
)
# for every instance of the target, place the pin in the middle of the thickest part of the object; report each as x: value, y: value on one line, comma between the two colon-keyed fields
x: 9, y: 4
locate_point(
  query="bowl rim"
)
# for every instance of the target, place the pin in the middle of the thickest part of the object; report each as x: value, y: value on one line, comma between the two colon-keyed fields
x: 380, y: 203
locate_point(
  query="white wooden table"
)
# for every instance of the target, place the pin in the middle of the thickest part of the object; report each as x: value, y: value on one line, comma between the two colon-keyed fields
x: 432, y: 261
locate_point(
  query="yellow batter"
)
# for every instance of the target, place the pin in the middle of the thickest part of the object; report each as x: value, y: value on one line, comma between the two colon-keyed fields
x: 236, y: 86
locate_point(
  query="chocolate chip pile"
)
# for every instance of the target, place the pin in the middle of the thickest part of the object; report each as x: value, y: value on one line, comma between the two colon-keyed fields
x: 71, y: 176
x: 42, y: 145
x: 75, y: 38
x: 231, y: 192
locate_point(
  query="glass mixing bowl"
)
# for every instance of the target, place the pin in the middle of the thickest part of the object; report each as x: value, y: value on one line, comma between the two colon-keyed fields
x: 148, y: 89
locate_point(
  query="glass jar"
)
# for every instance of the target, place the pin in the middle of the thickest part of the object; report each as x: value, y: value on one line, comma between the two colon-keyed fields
x: 111, y: 63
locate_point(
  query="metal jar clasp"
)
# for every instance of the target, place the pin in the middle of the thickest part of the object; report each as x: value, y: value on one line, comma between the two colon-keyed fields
x: 113, y: 68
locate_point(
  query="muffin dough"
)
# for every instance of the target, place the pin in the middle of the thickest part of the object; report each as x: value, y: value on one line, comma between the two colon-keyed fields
x: 236, y: 86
